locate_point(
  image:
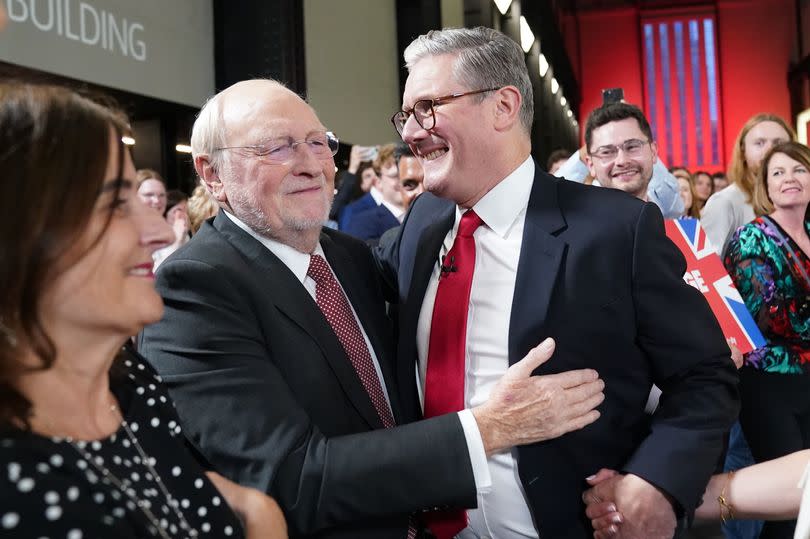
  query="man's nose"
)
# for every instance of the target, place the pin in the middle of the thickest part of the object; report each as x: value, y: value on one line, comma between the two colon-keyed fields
x: 153, y: 230
x: 413, y: 132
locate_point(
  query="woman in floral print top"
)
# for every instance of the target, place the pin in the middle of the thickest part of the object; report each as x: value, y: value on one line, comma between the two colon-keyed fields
x: 769, y: 261
x: 770, y: 281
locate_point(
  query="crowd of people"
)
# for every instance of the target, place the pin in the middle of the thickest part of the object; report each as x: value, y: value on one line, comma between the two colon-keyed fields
x: 481, y: 348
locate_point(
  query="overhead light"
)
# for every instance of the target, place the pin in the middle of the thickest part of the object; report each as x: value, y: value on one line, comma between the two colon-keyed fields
x: 129, y: 141
x: 563, y: 101
x: 526, y: 35
x: 543, y: 65
x: 183, y: 148
x: 570, y: 114
x: 503, y: 5
x: 554, y: 85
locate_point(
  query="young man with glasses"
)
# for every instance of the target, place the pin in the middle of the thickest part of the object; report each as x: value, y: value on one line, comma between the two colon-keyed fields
x: 498, y: 254
x: 621, y: 151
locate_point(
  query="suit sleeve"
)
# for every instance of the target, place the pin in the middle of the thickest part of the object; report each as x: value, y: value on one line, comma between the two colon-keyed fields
x: 690, y: 362
x: 233, y: 398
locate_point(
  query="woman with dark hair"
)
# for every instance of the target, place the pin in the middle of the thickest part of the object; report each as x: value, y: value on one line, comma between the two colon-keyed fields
x: 90, y: 443
x: 769, y: 261
x: 704, y: 188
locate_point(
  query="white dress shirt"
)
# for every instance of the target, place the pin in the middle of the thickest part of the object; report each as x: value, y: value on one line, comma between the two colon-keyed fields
x: 502, y: 509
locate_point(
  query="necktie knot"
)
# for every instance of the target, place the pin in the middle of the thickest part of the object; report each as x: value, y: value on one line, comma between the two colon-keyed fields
x: 469, y: 223
x: 317, y: 268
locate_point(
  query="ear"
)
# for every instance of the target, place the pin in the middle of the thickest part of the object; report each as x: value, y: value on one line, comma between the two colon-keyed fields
x: 589, y: 163
x: 210, y: 177
x: 507, y: 107
x: 654, y: 150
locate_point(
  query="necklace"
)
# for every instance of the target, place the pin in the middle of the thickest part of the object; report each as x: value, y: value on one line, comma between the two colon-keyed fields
x: 143, y: 505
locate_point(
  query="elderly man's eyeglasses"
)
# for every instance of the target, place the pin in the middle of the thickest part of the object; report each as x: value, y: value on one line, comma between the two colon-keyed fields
x: 632, y: 148
x: 322, y: 146
x: 423, y: 110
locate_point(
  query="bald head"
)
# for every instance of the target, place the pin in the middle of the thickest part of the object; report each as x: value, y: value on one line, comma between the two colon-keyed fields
x: 233, y: 109
x: 236, y: 142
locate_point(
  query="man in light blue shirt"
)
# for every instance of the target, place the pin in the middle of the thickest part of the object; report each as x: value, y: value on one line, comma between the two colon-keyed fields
x: 662, y: 189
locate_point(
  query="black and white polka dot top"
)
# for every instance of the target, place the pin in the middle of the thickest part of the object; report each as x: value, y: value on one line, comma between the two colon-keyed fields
x: 57, y: 488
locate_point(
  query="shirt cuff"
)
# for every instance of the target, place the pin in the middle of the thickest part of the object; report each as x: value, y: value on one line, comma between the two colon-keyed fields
x: 475, y: 447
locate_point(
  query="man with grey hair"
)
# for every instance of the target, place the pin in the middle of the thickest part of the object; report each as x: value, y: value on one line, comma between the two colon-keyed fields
x: 278, y: 353
x: 498, y: 255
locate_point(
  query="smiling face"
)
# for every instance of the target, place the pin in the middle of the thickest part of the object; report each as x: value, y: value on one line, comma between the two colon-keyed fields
x: 454, y: 165
x: 105, y: 282
x: 703, y: 186
x: 788, y: 183
x: 152, y: 192
x: 629, y: 173
x: 278, y: 200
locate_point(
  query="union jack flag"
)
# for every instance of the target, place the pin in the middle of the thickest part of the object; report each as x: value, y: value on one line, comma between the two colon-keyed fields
x: 705, y: 271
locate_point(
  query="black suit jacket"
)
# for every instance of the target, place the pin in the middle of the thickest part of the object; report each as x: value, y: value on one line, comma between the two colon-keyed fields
x: 266, y: 391
x: 596, y: 273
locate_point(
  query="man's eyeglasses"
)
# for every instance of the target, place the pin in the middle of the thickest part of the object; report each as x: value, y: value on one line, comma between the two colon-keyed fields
x: 322, y: 146
x: 423, y: 110
x: 632, y: 148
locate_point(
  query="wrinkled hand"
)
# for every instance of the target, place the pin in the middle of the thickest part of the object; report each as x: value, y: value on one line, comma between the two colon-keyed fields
x: 524, y: 409
x: 627, y: 507
x: 260, y: 514
x: 736, y: 355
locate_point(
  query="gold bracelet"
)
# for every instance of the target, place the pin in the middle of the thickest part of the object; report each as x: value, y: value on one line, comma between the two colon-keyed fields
x: 724, y: 503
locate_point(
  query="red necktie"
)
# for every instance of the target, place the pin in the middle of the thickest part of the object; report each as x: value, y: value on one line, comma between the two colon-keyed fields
x: 335, y: 307
x: 444, y: 382
x: 338, y: 313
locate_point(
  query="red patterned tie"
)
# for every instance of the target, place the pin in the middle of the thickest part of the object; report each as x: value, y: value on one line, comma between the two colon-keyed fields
x: 338, y: 313
x: 444, y: 382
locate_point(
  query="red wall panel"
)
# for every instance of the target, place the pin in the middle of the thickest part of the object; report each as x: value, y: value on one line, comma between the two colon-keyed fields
x: 611, y: 57
x: 756, y: 41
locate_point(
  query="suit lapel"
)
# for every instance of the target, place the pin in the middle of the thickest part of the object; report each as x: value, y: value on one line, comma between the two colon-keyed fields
x: 354, y: 284
x: 541, y: 254
x: 427, y: 252
x: 290, y: 297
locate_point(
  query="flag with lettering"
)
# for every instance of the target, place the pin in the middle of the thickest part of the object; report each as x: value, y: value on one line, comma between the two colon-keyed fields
x: 705, y: 271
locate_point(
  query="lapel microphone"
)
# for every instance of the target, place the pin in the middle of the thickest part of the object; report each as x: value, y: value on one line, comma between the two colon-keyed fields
x: 449, y: 268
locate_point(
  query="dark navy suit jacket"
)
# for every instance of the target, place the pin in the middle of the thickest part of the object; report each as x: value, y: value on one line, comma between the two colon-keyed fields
x: 598, y: 274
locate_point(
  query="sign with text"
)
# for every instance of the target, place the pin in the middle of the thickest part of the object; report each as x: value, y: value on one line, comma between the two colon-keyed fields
x: 705, y: 271
x: 159, y: 48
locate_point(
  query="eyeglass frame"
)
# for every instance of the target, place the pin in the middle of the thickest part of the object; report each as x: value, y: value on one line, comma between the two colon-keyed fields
x: 617, y: 148
x: 293, y: 145
x: 432, y: 103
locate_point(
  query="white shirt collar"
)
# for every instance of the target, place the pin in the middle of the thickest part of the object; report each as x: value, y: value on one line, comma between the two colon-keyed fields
x: 397, y: 211
x: 295, y: 260
x: 376, y: 194
x: 502, y: 205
